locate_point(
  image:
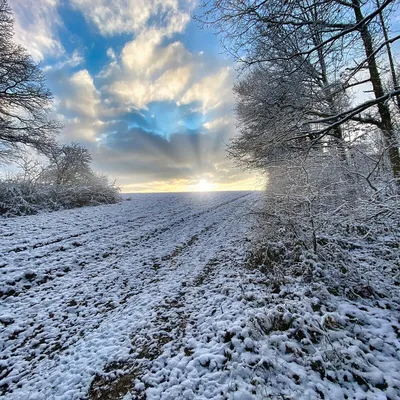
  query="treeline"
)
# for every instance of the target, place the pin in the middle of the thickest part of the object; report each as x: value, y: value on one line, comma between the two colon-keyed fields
x: 317, y: 107
x: 65, y: 179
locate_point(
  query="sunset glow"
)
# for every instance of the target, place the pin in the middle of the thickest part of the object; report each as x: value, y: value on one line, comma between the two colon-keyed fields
x: 205, y: 186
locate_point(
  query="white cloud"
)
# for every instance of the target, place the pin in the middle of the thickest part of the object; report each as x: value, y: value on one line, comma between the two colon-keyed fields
x: 79, y: 97
x: 73, y: 61
x: 81, y: 130
x: 149, y: 71
x: 171, y: 84
x: 145, y: 56
x: 111, y: 53
x: 139, y: 92
x: 35, y: 25
x: 87, y: 99
x: 113, y: 17
x: 133, y: 92
x: 218, y: 123
x: 212, y: 91
x: 146, y: 70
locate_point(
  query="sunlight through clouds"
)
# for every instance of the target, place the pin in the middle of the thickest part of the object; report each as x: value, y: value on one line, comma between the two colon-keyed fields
x: 135, y: 82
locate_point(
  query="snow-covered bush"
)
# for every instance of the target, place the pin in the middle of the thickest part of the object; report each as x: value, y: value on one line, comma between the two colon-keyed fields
x: 94, y: 192
x: 59, y: 185
x: 18, y: 198
x: 24, y: 198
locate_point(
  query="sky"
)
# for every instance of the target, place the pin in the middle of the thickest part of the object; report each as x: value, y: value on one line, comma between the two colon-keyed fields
x: 140, y: 85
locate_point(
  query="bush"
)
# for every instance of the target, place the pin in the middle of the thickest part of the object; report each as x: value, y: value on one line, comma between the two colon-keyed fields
x: 19, y: 197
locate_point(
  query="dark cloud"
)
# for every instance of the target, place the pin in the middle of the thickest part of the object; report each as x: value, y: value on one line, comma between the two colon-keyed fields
x: 191, y: 150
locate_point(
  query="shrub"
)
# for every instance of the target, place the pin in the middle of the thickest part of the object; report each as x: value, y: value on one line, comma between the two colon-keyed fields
x: 19, y: 197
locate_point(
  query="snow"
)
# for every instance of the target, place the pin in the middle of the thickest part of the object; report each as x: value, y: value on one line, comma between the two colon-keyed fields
x: 84, y: 288
x: 154, y: 298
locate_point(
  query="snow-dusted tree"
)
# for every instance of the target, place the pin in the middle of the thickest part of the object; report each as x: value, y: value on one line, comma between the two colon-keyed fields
x: 69, y: 164
x: 31, y: 167
x: 324, y: 36
x: 274, y: 113
x: 270, y: 112
x: 24, y: 98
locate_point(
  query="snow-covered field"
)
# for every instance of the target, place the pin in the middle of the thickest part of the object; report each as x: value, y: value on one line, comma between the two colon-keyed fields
x: 155, y: 298
x: 130, y: 290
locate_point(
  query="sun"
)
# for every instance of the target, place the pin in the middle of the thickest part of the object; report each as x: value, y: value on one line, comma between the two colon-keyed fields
x: 204, y: 185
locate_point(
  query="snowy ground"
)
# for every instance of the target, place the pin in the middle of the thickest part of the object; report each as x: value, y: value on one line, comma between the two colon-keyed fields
x: 154, y: 298
x: 115, y: 288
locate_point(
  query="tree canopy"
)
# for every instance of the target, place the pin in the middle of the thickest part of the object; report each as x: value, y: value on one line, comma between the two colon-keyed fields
x: 25, y: 101
x: 325, y: 51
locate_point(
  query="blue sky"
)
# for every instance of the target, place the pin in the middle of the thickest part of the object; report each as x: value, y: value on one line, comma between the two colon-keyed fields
x: 141, y: 85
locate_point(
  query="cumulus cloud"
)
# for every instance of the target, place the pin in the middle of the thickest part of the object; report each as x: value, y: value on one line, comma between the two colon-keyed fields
x: 132, y: 16
x: 149, y: 71
x: 145, y: 56
x: 79, y: 97
x: 81, y: 130
x: 85, y: 98
x: 212, y: 91
x: 77, y: 104
x: 139, y: 92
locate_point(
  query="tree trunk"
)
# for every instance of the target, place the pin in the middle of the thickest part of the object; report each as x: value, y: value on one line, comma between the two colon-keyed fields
x: 326, y: 86
x: 389, y: 54
x: 384, y: 112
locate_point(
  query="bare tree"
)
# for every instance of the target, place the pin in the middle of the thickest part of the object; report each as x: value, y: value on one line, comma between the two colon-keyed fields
x: 324, y: 36
x: 389, y: 52
x: 270, y: 113
x: 31, y: 169
x: 24, y: 98
x: 69, y: 164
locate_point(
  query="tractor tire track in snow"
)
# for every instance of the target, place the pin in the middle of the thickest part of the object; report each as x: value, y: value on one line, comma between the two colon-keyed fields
x: 124, y: 234
x: 74, y: 318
